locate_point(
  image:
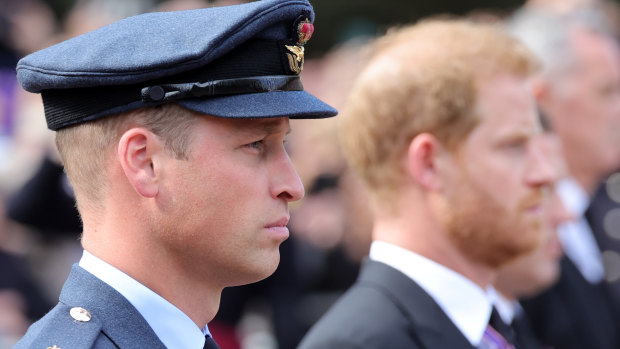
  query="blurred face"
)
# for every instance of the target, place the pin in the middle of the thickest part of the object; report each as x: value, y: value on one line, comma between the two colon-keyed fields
x: 497, y: 177
x: 584, y: 107
x: 532, y: 273
x: 319, y: 219
x: 226, y: 210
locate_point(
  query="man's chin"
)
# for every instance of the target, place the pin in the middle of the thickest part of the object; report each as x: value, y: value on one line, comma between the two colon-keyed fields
x: 259, y: 271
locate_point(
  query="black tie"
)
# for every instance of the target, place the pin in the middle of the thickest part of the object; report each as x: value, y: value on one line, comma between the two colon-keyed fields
x: 210, y: 343
x: 500, y: 326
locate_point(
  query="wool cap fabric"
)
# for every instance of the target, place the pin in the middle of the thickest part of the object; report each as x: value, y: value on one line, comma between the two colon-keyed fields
x: 240, y: 61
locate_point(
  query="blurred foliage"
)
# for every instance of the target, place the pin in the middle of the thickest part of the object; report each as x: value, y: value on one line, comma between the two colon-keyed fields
x: 340, y: 20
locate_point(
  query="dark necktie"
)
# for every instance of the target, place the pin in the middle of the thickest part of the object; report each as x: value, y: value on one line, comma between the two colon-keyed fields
x: 497, y: 335
x: 500, y: 326
x: 210, y: 343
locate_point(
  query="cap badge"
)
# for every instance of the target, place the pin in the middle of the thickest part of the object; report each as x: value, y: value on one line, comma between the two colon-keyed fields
x: 295, y: 55
x: 304, y: 31
x: 295, y: 58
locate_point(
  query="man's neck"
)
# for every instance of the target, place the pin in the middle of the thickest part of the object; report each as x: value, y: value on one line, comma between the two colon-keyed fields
x: 198, y: 299
x: 430, y: 242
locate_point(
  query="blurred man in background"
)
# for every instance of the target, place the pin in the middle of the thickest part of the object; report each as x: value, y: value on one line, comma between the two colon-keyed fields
x: 443, y: 138
x: 578, y: 91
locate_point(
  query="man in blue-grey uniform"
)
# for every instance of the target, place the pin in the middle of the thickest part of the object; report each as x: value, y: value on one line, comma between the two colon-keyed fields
x: 171, y: 127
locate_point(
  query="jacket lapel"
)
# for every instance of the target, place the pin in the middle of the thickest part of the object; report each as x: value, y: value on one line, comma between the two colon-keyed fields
x: 430, y: 327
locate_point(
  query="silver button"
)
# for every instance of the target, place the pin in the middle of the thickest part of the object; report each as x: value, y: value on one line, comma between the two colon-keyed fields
x: 80, y: 314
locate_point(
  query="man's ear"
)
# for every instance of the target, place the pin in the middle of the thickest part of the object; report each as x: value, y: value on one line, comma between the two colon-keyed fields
x: 540, y: 89
x: 422, y: 158
x: 135, y: 154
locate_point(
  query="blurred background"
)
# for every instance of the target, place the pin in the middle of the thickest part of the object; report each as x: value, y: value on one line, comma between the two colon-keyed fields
x: 330, y: 227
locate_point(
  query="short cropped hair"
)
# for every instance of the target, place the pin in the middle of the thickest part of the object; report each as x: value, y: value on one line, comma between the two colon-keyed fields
x: 85, y: 148
x: 422, y: 78
x: 551, y: 36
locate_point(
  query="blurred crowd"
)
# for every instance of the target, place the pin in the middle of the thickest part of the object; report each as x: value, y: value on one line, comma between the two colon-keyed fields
x: 330, y: 228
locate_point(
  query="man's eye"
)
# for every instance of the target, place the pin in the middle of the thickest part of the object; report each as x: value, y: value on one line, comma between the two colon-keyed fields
x: 258, y: 145
x: 517, y: 143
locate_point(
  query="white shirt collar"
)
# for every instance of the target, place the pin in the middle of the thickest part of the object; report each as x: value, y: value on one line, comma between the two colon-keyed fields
x: 175, y: 329
x: 465, y: 303
x: 573, y: 196
x: 506, y: 308
x: 576, y: 236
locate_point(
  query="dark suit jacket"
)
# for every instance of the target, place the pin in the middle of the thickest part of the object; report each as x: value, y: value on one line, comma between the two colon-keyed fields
x: 385, y: 309
x: 525, y: 337
x: 115, y: 323
x: 600, y: 216
x: 572, y: 314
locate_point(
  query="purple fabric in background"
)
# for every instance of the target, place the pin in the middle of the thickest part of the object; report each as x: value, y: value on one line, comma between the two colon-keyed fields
x: 8, y: 92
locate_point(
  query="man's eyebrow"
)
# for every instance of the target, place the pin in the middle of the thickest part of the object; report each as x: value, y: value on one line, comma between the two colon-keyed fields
x: 518, y: 133
x: 273, y: 126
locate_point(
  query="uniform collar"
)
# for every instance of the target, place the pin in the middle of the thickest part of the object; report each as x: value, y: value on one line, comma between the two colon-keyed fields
x: 170, y: 324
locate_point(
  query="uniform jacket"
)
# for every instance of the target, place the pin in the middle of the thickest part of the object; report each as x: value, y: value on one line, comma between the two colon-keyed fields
x: 385, y: 309
x: 110, y: 321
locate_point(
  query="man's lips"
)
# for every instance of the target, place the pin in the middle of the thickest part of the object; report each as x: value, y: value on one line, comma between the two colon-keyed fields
x: 277, y: 229
x: 280, y: 223
x: 535, y: 208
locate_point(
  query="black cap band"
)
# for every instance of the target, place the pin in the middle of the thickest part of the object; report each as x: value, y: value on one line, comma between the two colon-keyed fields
x: 257, y: 84
x: 228, y: 75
